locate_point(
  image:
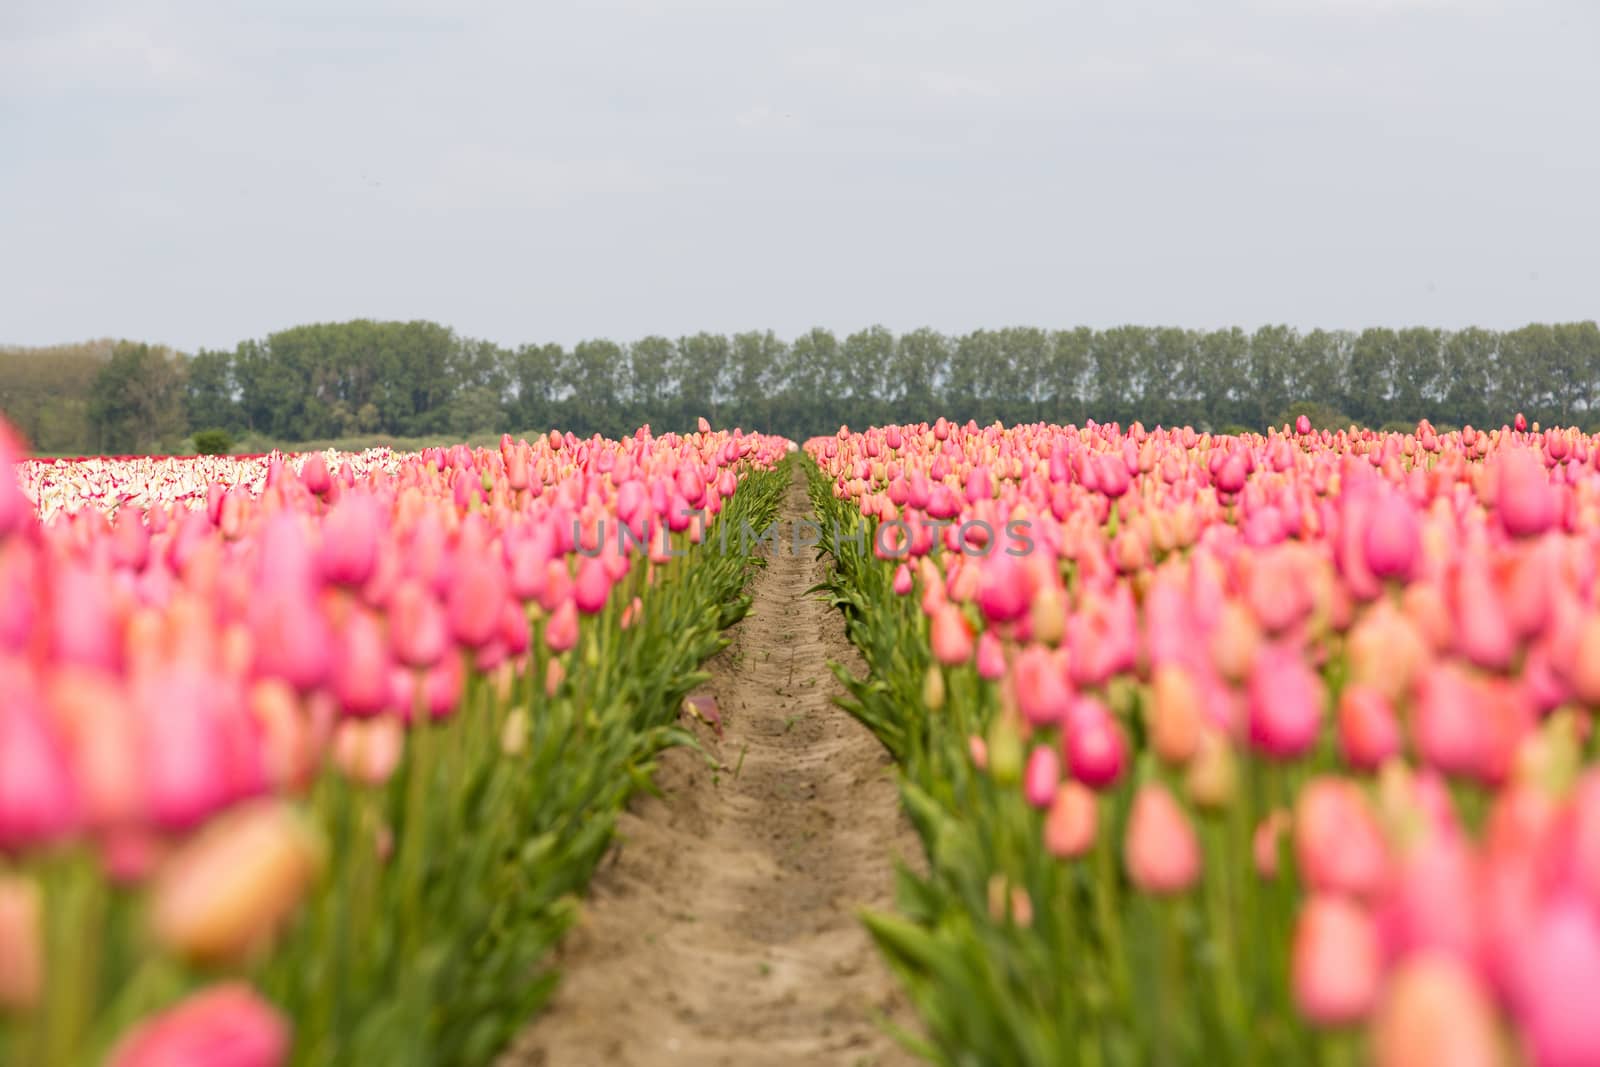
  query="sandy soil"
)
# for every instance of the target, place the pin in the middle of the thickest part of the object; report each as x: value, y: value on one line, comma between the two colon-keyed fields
x: 722, y: 929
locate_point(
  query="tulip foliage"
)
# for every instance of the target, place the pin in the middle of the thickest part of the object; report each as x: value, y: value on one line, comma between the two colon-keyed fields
x: 1271, y: 749
x: 302, y: 760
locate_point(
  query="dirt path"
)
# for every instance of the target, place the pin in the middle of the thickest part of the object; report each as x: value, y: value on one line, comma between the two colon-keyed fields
x: 722, y: 929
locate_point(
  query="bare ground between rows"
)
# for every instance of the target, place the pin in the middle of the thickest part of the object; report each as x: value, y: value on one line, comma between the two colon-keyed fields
x: 722, y: 927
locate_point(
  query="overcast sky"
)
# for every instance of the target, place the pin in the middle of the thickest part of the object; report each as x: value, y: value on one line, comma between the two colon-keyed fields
x: 197, y: 172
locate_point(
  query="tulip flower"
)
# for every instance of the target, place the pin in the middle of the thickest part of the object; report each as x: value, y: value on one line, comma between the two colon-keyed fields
x: 1524, y: 499
x: 1175, y: 715
x: 225, y: 1026
x: 1337, y: 963
x: 224, y: 893
x: 951, y: 636
x: 1041, y: 776
x: 1095, y: 749
x: 1338, y: 846
x: 1071, y: 824
x: 1040, y: 685
x: 1435, y: 1013
x: 1286, y: 703
x: 1162, y: 853
x: 1368, y: 732
x: 40, y: 802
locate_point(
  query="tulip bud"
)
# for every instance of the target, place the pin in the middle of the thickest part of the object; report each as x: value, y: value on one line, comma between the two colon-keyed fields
x: 224, y: 893
x: 351, y: 534
x: 1040, y: 686
x: 1337, y: 962
x: 368, y: 751
x: 1003, y: 593
x: 1435, y: 1013
x: 902, y: 580
x: 1447, y: 721
x: 1040, y: 778
x: 1047, y: 615
x: 514, y: 732
x: 40, y: 801
x: 933, y: 694
x: 1161, y: 850
x: 224, y: 1026
x: 477, y: 594
x: 1096, y: 752
x: 1368, y: 732
x: 561, y: 630
x: 1005, y: 751
x: 592, y: 588
x: 1286, y: 699
x: 1393, y: 538
x: 1213, y: 775
x: 951, y: 636
x: 1234, y: 641
x: 1338, y: 846
x: 1070, y: 825
x: 1175, y: 716
x: 1525, y: 501
x: 417, y: 628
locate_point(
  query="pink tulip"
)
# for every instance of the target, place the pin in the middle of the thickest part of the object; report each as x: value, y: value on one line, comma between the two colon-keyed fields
x: 1286, y: 703
x: 1071, y: 824
x: 417, y: 627
x: 442, y: 686
x: 290, y: 637
x: 1041, y: 776
x: 593, y: 587
x: 314, y: 473
x: 351, y: 535
x: 1161, y: 850
x: 561, y: 631
x: 476, y: 597
x: 1337, y: 964
x: 368, y: 751
x: 951, y: 636
x: 1338, y: 846
x: 39, y: 799
x: 361, y: 667
x: 1446, y: 722
x: 1003, y: 592
x: 1096, y: 751
x: 1176, y: 714
x: 1435, y: 1012
x: 991, y: 657
x: 224, y: 1026
x: 1393, y: 538
x: 1039, y: 684
x: 1524, y: 500
x: 902, y: 580
x: 1368, y: 732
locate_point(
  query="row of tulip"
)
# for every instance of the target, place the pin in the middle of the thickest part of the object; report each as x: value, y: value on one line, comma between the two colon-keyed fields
x: 1234, y: 749
x: 306, y: 765
x: 111, y: 483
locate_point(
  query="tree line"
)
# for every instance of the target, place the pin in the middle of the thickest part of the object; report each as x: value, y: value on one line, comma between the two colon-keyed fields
x: 411, y: 379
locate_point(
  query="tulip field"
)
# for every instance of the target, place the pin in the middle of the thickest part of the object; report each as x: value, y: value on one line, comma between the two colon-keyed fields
x: 1220, y: 749
x: 1260, y: 749
x: 303, y: 759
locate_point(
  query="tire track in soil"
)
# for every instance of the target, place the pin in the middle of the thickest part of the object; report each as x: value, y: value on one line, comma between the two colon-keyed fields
x: 722, y: 928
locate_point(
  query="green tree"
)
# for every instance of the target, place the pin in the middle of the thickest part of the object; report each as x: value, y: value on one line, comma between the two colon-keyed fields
x: 136, y: 404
